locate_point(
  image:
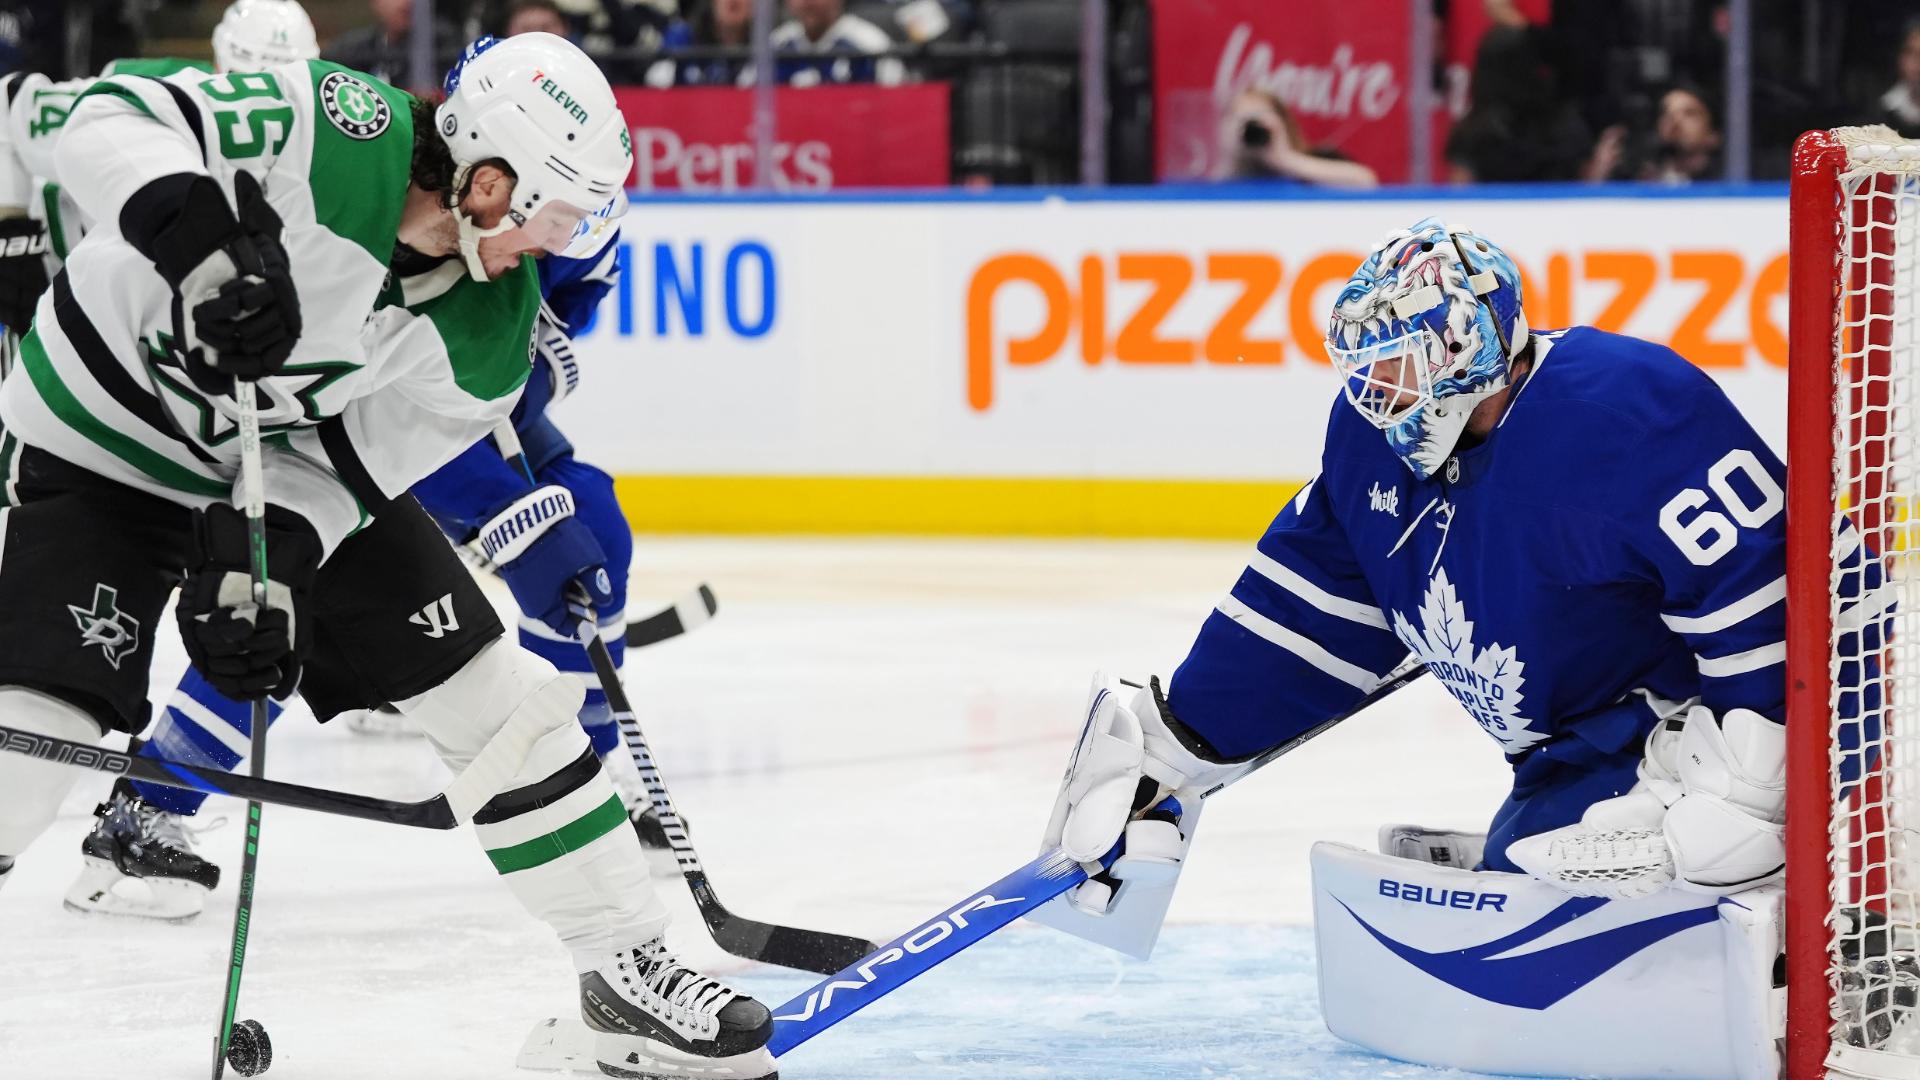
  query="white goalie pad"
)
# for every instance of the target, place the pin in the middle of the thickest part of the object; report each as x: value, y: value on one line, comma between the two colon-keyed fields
x: 1501, y: 973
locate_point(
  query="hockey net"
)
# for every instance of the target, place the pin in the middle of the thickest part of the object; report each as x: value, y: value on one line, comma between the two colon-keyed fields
x: 1853, y: 606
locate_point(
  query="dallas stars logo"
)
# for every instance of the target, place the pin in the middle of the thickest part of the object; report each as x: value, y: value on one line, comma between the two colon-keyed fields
x: 104, y: 624
x: 354, y: 107
x: 290, y: 399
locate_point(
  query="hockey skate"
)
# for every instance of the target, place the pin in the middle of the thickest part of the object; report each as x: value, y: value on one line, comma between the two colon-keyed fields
x: 654, y: 1018
x: 139, y: 861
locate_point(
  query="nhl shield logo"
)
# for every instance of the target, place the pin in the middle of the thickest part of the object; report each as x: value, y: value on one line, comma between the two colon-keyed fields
x: 354, y: 107
x: 104, y: 624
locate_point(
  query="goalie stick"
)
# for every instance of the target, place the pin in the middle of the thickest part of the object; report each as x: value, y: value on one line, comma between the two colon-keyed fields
x: 557, y: 1044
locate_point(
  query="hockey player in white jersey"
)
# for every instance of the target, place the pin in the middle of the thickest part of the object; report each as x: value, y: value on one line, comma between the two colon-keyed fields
x: 355, y: 259
x: 1581, y: 538
x: 39, y: 224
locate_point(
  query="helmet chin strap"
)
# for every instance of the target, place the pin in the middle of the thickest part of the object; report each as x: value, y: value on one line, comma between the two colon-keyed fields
x: 470, y: 237
x: 470, y: 233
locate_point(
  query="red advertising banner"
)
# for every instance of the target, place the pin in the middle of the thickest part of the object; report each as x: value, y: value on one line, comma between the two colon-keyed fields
x: 1341, y: 69
x: 701, y: 138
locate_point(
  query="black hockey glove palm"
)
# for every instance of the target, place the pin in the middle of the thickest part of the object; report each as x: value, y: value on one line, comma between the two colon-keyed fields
x: 23, y: 270
x: 235, y: 312
x: 244, y: 653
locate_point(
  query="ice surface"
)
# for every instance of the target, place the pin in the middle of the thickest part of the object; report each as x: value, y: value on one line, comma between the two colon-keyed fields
x: 867, y: 732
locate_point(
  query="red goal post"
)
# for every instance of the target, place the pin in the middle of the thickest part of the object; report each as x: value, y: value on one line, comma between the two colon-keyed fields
x: 1853, y: 485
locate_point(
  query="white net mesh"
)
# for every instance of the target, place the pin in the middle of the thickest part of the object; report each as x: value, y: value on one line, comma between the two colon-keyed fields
x: 1875, y: 605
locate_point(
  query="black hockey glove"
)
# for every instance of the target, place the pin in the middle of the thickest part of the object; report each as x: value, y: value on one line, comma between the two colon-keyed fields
x: 235, y: 312
x: 23, y: 270
x: 244, y: 653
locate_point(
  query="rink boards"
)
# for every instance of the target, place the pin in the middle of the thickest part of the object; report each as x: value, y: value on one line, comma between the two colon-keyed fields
x: 1051, y: 364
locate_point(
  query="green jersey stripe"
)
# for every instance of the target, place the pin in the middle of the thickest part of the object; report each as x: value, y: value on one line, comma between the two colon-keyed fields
x: 56, y: 226
x: 111, y: 89
x: 362, y: 156
x: 61, y: 401
x: 540, y: 850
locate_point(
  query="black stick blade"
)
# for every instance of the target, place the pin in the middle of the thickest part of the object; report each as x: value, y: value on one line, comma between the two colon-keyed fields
x: 818, y: 951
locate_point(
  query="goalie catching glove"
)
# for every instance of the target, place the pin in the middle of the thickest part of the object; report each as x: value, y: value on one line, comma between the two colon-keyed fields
x: 1131, y: 771
x: 547, y: 556
x: 1707, y: 816
x: 243, y: 651
x: 235, y: 312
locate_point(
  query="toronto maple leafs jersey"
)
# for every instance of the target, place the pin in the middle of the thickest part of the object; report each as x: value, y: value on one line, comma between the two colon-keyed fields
x: 389, y: 380
x: 1614, y: 550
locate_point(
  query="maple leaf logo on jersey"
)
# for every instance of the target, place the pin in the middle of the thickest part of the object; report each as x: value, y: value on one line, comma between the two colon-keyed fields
x: 1486, y: 682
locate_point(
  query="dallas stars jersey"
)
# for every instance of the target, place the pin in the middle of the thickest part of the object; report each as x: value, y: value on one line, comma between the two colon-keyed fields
x: 34, y: 110
x: 369, y: 402
x: 1614, y: 550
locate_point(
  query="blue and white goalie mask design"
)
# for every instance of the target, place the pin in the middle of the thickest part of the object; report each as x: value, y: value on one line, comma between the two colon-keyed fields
x: 1422, y: 334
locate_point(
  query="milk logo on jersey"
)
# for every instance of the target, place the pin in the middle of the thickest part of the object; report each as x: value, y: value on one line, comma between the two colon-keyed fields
x: 105, y: 625
x: 1387, y: 500
x: 1485, y: 681
x: 354, y: 107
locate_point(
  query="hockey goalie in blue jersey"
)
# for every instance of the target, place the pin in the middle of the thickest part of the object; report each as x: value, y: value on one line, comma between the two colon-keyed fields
x: 1582, y: 539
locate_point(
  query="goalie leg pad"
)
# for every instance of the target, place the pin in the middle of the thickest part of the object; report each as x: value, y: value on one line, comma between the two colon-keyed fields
x: 1500, y: 973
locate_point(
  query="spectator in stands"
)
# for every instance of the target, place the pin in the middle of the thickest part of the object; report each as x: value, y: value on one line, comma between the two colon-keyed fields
x: 536, y: 17
x: 714, y: 23
x: 1901, y: 104
x: 380, y: 50
x: 821, y: 43
x: 1520, y: 126
x: 1261, y: 140
x: 598, y: 26
x: 1689, y: 141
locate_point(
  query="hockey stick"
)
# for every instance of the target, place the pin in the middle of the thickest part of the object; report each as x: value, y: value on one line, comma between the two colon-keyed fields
x: 435, y: 813
x: 253, y: 504
x: 770, y: 943
x: 925, y: 946
x: 673, y: 620
x: 786, y: 946
x: 558, y: 1044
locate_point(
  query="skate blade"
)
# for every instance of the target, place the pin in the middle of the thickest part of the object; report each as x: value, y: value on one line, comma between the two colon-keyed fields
x: 629, y: 1058
x: 558, y: 1044
x: 102, y: 889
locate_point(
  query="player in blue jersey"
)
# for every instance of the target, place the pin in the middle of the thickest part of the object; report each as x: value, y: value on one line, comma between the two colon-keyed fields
x: 1576, y: 533
x: 583, y: 542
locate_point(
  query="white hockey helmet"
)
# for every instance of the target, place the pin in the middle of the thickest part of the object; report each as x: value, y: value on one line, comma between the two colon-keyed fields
x: 536, y: 102
x: 254, y: 35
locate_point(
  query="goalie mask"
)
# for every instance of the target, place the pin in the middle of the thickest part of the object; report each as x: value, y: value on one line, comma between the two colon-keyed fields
x: 537, y: 103
x: 1423, y: 332
x: 254, y: 35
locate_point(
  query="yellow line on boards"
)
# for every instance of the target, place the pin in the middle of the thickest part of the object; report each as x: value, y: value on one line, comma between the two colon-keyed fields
x: 952, y: 505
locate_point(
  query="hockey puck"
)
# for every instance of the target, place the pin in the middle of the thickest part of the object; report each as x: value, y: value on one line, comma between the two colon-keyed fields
x: 249, y: 1051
